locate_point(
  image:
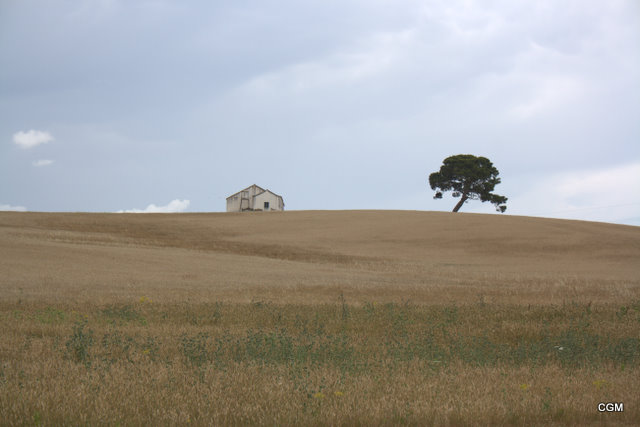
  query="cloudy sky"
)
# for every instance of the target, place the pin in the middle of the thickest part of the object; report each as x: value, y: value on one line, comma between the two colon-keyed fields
x: 119, y: 105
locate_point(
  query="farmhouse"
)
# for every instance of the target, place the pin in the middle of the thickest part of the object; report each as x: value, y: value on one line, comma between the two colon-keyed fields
x: 254, y: 198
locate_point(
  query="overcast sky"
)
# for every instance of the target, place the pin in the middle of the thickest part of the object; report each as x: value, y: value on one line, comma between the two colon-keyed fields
x: 349, y: 104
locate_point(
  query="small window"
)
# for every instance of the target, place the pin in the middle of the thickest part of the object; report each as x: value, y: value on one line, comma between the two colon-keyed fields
x: 266, y: 205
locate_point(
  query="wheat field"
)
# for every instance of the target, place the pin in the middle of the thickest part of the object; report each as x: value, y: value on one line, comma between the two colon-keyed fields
x: 316, y: 318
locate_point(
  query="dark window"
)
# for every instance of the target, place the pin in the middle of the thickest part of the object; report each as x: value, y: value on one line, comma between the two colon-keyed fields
x: 266, y: 205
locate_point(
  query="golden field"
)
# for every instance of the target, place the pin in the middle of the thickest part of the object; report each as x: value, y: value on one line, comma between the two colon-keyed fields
x: 317, y: 317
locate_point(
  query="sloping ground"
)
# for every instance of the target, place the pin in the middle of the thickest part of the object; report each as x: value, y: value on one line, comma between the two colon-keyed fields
x: 314, y: 256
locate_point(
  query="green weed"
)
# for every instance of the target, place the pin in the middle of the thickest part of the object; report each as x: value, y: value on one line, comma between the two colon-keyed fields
x: 194, y: 349
x: 80, y: 342
x: 124, y: 313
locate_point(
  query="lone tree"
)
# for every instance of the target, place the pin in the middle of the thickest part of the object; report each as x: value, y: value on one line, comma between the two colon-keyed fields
x: 469, y: 177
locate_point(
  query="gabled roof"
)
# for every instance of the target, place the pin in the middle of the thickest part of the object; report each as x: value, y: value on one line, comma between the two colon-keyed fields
x: 267, y: 191
x: 244, y: 189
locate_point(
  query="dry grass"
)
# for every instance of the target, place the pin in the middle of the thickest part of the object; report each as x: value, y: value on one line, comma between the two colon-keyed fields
x: 350, y: 318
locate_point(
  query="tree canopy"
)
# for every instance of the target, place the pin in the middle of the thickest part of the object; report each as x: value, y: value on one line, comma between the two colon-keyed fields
x: 470, y: 178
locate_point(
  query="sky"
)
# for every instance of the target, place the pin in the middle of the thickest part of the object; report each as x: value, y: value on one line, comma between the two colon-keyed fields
x: 171, y: 106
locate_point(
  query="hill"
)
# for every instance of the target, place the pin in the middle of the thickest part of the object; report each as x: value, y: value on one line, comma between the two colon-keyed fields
x: 317, y: 318
x: 314, y: 256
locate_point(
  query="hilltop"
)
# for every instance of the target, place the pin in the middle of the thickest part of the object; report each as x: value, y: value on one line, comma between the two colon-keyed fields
x: 313, y: 256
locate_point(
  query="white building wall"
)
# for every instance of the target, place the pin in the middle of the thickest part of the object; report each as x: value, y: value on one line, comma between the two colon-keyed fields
x: 280, y: 204
x: 233, y: 203
x: 252, y: 191
x: 243, y: 200
x: 274, y: 201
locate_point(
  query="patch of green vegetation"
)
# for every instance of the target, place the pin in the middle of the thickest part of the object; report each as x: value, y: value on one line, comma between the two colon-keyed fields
x: 353, y: 338
x: 79, y: 343
x: 117, y: 346
x: 50, y: 315
x: 208, y: 317
x: 195, y: 349
x: 123, y: 313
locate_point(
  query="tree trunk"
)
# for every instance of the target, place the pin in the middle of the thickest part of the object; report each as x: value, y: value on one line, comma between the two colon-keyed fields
x: 460, y: 203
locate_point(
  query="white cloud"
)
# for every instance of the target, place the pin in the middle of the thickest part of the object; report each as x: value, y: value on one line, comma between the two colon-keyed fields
x: 549, y: 95
x: 617, y: 183
x: 592, y: 195
x: 12, y: 208
x: 31, y: 138
x: 371, y: 57
x: 40, y: 163
x: 173, y: 206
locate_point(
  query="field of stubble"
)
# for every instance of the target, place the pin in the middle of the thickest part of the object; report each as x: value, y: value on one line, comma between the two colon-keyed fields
x: 317, y: 317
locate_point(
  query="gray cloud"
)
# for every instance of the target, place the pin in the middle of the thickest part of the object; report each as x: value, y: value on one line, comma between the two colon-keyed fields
x: 333, y: 104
